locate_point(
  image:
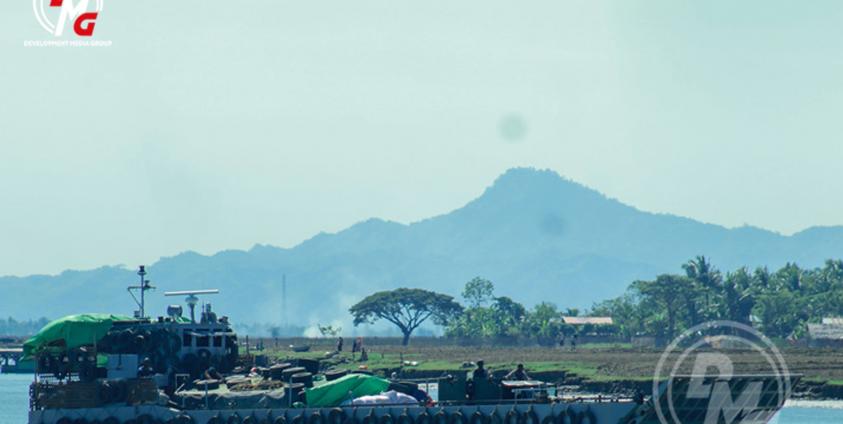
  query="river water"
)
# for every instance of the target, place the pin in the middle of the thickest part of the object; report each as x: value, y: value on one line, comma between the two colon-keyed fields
x: 14, y: 398
x: 14, y: 403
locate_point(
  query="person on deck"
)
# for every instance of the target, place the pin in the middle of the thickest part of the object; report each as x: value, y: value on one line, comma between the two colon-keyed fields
x: 480, y: 371
x: 146, y: 370
x: 518, y: 374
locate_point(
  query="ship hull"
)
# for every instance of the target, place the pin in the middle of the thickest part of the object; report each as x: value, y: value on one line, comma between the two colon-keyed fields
x: 595, y: 412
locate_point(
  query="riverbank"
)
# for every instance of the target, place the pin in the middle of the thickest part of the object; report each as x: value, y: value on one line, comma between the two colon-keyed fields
x: 603, y: 368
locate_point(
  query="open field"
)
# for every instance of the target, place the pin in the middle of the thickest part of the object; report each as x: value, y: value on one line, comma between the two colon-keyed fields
x: 599, y: 365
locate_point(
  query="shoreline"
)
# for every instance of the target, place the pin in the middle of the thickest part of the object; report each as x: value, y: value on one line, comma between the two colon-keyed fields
x: 610, y: 369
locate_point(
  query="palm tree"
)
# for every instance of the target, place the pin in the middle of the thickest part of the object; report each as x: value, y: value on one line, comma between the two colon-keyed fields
x: 709, y: 282
x: 739, y: 295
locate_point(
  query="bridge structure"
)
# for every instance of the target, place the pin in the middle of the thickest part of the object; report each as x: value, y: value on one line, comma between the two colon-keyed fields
x: 10, y: 359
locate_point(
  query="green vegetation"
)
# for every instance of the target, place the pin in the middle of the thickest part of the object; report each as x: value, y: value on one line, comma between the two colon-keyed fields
x: 12, y: 327
x: 504, y: 332
x: 406, y: 308
x: 329, y: 330
x: 778, y: 303
x: 488, y: 316
x: 607, y: 363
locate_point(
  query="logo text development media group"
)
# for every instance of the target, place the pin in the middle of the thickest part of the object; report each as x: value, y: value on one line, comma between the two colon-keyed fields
x: 70, y: 22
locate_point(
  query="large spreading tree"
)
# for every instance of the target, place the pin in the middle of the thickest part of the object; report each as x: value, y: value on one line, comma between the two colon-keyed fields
x: 406, y: 308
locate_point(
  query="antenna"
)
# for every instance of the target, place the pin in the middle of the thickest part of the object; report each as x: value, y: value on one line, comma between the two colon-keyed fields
x: 143, y: 287
x: 191, y: 298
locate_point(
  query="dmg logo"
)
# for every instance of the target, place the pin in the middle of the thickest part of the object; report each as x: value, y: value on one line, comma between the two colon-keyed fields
x: 55, y: 15
x: 698, y: 381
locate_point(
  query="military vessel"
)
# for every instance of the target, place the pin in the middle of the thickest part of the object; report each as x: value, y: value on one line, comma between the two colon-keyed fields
x: 114, y: 369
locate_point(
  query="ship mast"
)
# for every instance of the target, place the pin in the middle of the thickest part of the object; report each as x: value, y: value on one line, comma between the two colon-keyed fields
x: 143, y: 287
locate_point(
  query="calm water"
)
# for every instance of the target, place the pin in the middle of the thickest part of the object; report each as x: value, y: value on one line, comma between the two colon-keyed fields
x: 14, y: 398
x: 14, y: 402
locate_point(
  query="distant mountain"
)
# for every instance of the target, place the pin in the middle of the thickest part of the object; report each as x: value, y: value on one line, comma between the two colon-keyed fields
x: 538, y: 236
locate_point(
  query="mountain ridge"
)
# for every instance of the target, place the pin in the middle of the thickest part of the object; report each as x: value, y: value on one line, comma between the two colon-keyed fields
x: 531, y: 228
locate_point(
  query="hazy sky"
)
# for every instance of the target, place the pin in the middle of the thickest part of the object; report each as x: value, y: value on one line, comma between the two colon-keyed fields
x: 211, y: 125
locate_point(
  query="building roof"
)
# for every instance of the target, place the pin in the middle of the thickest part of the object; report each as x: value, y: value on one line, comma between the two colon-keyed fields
x: 833, y: 321
x: 826, y: 331
x: 588, y: 320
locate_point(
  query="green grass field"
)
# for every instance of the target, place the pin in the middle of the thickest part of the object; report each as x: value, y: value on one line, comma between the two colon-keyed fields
x: 591, y: 363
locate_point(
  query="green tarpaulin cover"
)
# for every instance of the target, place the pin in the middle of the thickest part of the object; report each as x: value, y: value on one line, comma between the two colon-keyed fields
x: 71, y: 332
x: 336, y: 392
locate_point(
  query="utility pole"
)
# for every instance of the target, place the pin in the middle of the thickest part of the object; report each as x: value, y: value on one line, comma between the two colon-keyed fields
x: 284, y: 301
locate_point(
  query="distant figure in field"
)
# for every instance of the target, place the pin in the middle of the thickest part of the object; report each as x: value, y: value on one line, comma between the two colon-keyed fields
x: 574, y: 342
x: 364, y: 356
x: 562, y: 340
x: 339, y: 344
x: 480, y: 371
x: 518, y: 374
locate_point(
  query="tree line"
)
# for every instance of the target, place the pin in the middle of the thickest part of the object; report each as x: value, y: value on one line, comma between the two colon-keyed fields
x: 15, y: 328
x: 778, y: 303
x: 486, y: 315
x: 483, y: 316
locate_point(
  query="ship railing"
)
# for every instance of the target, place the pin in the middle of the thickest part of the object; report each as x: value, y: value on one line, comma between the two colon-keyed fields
x: 524, y: 395
x: 550, y: 399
